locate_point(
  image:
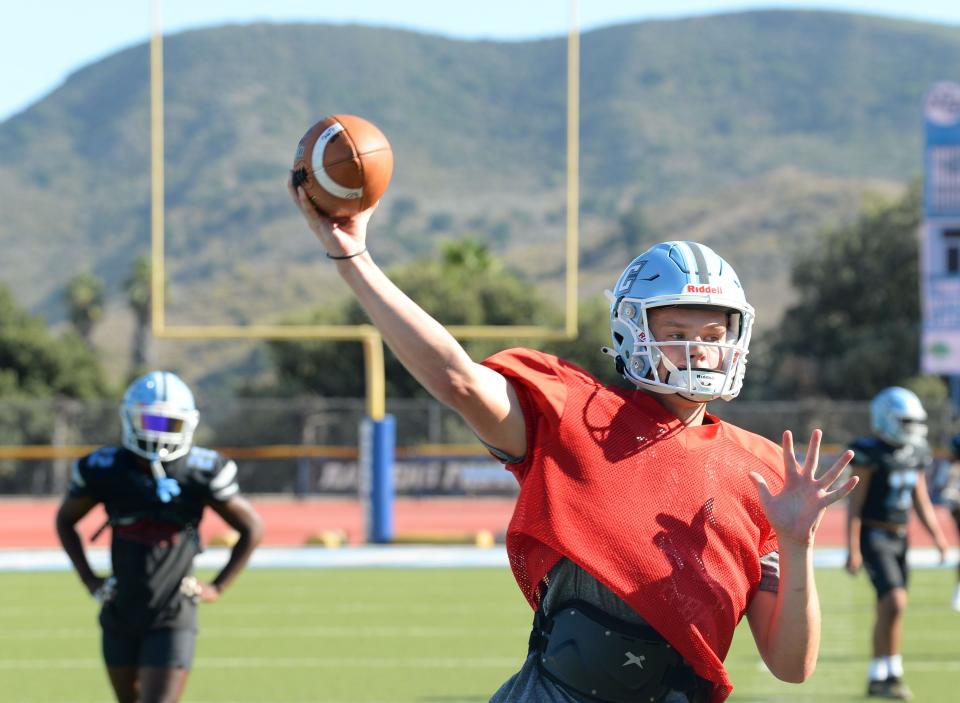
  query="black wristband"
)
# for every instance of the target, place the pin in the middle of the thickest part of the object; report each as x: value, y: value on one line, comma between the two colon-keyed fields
x: 348, y: 256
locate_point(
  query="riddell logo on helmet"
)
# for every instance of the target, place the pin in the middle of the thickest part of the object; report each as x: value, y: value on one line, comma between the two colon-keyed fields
x: 691, y: 288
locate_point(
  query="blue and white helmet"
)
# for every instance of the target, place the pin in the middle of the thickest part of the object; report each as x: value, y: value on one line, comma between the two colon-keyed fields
x: 897, y: 417
x: 678, y: 274
x: 158, y: 416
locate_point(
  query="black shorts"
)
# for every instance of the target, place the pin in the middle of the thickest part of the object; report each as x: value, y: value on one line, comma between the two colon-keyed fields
x: 884, y: 558
x: 164, y: 649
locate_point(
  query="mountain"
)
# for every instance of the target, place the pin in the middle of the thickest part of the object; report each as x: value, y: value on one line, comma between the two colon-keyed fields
x: 747, y: 131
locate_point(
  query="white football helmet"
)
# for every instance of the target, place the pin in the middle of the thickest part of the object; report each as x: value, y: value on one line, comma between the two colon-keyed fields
x: 679, y: 274
x: 897, y: 417
x: 158, y: 416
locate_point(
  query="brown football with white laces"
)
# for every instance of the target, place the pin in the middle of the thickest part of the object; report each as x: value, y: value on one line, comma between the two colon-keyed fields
x: 344, y: 164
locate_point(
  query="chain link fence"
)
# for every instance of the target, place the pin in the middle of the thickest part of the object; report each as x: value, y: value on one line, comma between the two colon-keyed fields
x: 319, y: 440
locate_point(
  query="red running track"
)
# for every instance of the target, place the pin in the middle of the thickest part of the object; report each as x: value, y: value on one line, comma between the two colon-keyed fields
x: 28, y: 523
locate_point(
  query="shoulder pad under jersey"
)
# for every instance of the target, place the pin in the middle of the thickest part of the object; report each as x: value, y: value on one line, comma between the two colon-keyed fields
x: 102, y: 458
x: 865, y: 450
x: 216, y: 470
x: 93, y: 467
x: 202, y: 459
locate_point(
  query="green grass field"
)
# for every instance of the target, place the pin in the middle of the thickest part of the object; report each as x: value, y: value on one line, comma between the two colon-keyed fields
x: 426, y: 636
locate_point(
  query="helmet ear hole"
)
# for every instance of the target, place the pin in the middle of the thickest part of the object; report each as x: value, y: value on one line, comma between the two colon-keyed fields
x: 618, y: 338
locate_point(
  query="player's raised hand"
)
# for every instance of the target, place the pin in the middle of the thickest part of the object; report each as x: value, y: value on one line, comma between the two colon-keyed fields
x: 340, y: 236
x: 796, y: 511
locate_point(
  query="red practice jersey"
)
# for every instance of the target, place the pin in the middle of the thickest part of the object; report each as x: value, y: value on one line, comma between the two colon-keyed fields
x: 666, y: 516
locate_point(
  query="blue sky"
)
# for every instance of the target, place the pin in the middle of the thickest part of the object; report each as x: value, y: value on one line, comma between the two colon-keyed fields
x: 42, y: 42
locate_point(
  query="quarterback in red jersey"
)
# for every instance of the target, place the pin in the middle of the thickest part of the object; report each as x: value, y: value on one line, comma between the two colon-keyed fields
x: 645, y: 527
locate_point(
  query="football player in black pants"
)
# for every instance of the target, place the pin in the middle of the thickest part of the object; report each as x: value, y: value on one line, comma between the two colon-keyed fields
x: 154, y: 488
x: 891, y: 466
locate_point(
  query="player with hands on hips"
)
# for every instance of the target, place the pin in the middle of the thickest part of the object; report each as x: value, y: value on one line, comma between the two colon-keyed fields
x: 154, y: 487
x: 640, y: 514
x: 891, y: 466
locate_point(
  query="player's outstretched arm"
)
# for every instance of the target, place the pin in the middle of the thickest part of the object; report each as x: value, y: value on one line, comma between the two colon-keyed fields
x: 786, y: 627
x: 483, y: 397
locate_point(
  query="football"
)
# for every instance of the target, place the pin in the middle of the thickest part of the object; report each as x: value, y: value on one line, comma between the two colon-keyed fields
x: 344, y: 164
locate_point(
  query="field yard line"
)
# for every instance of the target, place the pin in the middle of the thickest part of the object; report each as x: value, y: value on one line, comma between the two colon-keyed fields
x: 836, y: 643
x: 260, y: 632
x: 426, y: 608
x: 910, y: 665
x: 292, y: 663
x: 368, y: 662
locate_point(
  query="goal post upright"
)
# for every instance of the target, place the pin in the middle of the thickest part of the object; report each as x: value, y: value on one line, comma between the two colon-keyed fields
x: 377, y: 427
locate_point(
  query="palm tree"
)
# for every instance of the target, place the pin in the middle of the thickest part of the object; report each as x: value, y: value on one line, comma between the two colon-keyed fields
x: 468, y: 255
x: 84, y: 299
x: 137, y: 288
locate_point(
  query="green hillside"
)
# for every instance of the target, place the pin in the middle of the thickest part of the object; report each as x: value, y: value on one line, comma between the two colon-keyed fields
x: 748, y: 131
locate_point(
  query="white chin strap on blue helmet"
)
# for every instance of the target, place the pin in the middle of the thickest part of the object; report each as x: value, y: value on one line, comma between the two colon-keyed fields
x: 898, y: 417
x: 158, y: 416
x: 677, y: 274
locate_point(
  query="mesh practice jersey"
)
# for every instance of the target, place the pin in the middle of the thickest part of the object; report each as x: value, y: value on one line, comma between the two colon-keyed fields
x: 664, y: 515
x: 155, y: 529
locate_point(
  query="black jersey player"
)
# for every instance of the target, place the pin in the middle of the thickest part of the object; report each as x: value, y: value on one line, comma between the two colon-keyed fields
x: 154, y: 488
x: 891, y: 465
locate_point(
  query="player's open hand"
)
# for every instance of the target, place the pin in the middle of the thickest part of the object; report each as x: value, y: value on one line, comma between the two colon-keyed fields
x: 796, y: 511
x: 340, y: 236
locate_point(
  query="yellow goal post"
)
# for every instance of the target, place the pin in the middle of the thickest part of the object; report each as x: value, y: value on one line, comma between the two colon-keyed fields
x: 367, y: 334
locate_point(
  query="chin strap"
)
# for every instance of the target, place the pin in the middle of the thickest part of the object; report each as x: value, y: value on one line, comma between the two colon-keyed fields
x: 693, y: 384
x: 689, y: 384
x: 156, y: 468
x: 621, y: 367
x: 167, y: 488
